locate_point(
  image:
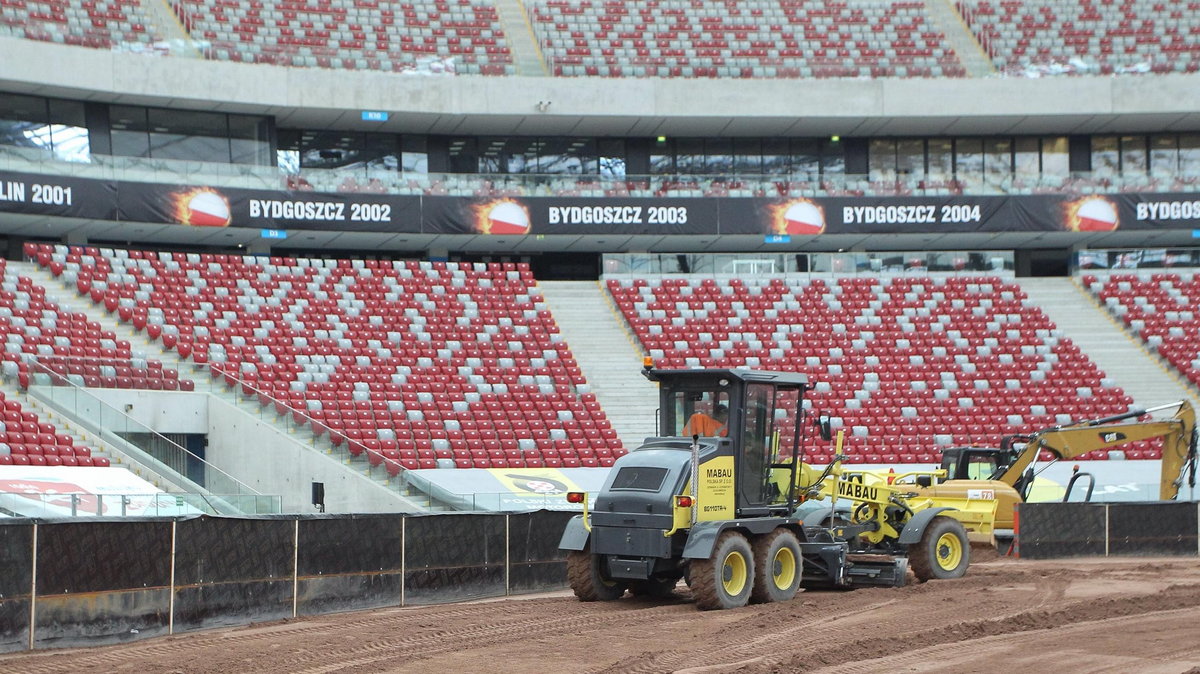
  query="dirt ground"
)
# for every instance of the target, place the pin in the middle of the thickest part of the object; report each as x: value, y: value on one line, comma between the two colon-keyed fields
x: 1006, y: 615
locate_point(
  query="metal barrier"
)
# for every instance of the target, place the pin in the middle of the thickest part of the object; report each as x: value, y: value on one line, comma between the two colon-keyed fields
x: 1053, y: 530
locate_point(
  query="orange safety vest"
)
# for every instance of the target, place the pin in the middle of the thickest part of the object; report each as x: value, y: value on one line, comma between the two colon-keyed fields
x: 702, y: 424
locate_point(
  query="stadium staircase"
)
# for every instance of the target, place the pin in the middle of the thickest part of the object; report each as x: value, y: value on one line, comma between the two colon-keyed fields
x: 526, y: 54
x: 608, y: 354
x: 164, y: 19
x: 945, y: 18
x: 1123, y: 358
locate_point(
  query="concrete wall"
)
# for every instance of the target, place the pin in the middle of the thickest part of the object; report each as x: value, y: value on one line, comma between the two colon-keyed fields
x: 632, y: 107
x: 160, y: 411
x: 262, y: 456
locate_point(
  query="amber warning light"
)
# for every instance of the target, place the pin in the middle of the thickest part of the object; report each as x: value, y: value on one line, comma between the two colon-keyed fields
x: 683, y: 501
x: 575, y: 497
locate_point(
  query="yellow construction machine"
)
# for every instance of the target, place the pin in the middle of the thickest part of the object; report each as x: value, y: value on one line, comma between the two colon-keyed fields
x: 1007, y: 473
x: 723, y: 511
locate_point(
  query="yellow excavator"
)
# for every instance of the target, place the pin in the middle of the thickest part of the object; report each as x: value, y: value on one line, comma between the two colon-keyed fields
x: 1007, y: 473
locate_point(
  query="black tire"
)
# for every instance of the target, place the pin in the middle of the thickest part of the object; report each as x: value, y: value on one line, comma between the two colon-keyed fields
x: 943, y: 552
x: 777, y: 567
x: 725, y: 579
x: 654, y: 588
x: 588, y: 578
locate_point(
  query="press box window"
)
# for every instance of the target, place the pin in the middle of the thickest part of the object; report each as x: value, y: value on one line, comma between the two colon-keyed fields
x: 641, y: 479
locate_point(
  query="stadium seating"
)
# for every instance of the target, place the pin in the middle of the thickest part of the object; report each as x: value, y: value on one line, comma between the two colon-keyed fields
x: 430, y: 36
x: 1162, y: 308
x: 1025, y: 37
x: 102, y: 24
x: 409, y: 362
x: 760, y: 38
x: 903, y: 365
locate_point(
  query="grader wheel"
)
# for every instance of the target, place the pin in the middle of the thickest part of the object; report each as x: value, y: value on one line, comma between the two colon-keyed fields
x: 777, y: 567
x: 943, y: 551
x: 725, y: 579
x: 587, y: 576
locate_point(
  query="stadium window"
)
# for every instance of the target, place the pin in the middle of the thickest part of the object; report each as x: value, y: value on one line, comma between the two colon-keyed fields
x: 1134, y: 157
x: 833, y: 157
x: 464, y: 156
x: 718, y: 157
x: 414, y: 156
x: 662, y: 157
x: 1056, y: 156
x: 23, y: 122
x: 562, y: 156
x: 1189, y: 154
x: 1164, y: 155
x: 380, y: 152
x: 997, y: 162
x: 689, y: 156
x: 910, y: 157
x: 881, y: 159
x: 69, y: 131
x: 127, y: 126
x: 806, y: 159
x: 250, y: 140
x: 747, y: 156
x: 1026, y: 157
x: 584, y: 152
x: 331, y: 149
x: 287, y: 155
x: 612, y: 157
x: 941, y: 158
x: 491, y: 156
x: 968, y: 162
x: 775, y: 158
x: 188, y: 135
x: 1106, y: 155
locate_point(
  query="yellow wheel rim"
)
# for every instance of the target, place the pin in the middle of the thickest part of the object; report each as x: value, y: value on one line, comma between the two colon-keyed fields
x: 784, y: 571
x: 734, y: 573
x: 949, y: 551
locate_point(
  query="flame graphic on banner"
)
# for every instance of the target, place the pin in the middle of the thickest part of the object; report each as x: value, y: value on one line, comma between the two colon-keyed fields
x: 501, y: 216
x: 796, y: 216
x: 1090, y: 214
x: 201, y: 207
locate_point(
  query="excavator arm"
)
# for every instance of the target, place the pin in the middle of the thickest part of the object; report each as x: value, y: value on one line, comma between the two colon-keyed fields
x: 1067, y: 442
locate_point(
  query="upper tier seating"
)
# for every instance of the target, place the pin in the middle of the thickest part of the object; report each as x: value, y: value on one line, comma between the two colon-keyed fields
x: 433, y: 36
x: 1030, y: 37
x: 727, y: 38
x: 1162, y: 308
x: 904, y: 365
x: 102, y: 24
x: 411, y: 362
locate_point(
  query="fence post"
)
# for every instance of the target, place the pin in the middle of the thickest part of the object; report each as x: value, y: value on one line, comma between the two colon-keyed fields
x: 171, y: 599
x: 507, y: 554
x: 295, y: 565
x: 33, y: 588
x: 403, y: 555
x: 1107, y: 532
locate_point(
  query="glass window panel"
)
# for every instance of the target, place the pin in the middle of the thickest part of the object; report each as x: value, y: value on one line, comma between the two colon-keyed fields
x: 1133, y: 154
x: 747, y: 156
x: 583, y: 154
x: 910, y: 157
x: 381, y: 152
x: 1164, y: 155
x: 833, y: 158
x: 689, y: 155
x: 718, y: 156
x: 968, y: 162
x: 185, y: 134
x: 997, y: 162
x: 69, y: 132
x: 250, y: 139
x: 287, y: 155
x: 806, y: 159
x: 775, y: 156
x: 941, y: 158
x: 1027, y: 157
x: 464, y: 157
x: 662, y: 158
x: 612, y: 158
x: 1189, y: 154
x: 331, y: 149
x: 127, y: 125
x: 1056, y: 158
x: 881, y: 159
x: 1106, y: 155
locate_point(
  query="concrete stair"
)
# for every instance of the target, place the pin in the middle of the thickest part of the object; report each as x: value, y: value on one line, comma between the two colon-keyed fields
x: 521, y: 40
x: 945, y: 18
x: 607, y: 354
x: 1119, y: 353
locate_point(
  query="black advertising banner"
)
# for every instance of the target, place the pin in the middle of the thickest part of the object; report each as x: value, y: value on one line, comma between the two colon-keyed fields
x: 204, y: 206
x: 786, y: 219
x: 61, y: 196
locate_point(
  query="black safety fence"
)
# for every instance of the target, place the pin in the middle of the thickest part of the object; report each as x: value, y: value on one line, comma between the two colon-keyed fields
x: 1053, y: 530
x: 101, y: 581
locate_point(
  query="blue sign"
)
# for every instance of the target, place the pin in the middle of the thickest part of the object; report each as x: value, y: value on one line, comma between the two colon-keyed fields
x: 777, y: 238
x: 1196, y: 233
x: 374, y: 116
x: 273, y: 233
